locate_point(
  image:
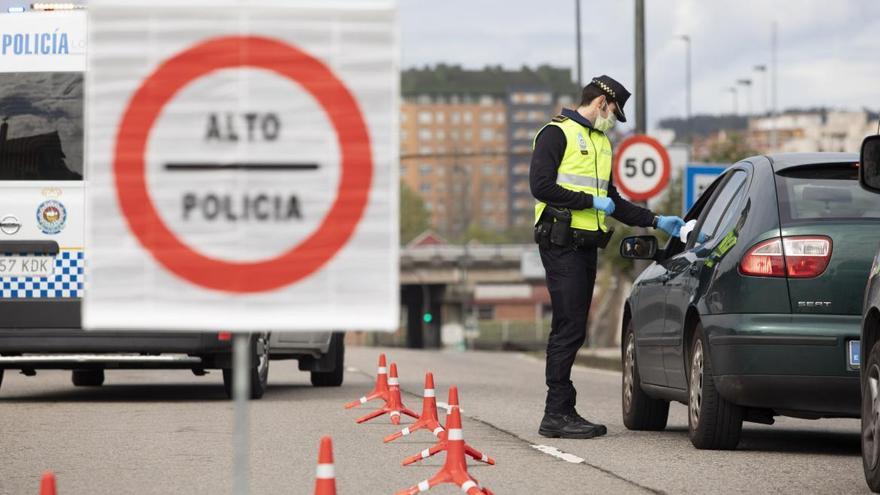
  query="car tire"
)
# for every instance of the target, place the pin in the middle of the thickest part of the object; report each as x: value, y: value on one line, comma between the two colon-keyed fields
x: 640, y: 412
x: 871, y: 420
x: 87, y: 378
x: 1, y: 378
x: 336, y: 353
x: 713, y: 422
x: 259, y: 372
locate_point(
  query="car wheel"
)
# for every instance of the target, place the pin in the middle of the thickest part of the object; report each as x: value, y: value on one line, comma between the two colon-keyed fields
x: 871, y: 420
x: 337, y: 355
x: 713, y: 422
x: 640, y: 412
x: 87, y: 378
x: 259, y: 373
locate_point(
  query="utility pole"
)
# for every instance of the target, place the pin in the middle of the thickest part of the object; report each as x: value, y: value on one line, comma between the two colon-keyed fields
x: 687, y: 76
x: 735, y: 95
x: 747, y: 83
x: 773, y: 110
x: 577, y: 26
x: 764, y: 89
x: 641, y: 85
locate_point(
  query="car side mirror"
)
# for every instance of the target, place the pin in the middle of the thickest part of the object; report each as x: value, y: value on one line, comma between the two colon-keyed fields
x: 869, y: 169
x: 640, y: 247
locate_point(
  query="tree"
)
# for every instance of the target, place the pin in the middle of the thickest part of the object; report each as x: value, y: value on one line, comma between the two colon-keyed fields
x: 730, y: 148
x: 414, y: 216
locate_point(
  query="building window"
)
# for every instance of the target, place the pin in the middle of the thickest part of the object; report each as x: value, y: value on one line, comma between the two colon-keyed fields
x: 488, y: 170
x: 425, y: 134
x: 425, y: 150
x: 486, y: 118
x: 402, y: 117
x: 425, y: 169
x: 440, y: 117
x: 499, y: 117
x: 454, y: 135
x: 425, y: 117
x: 429, y: 206
x: 485, y: 312
x: 468, y: 117
x: 455, y: 117
x: 425, y: 187
x: 487, y: 134
x: 402, y: 170
x: 440, y: 134
x: 403, y: 135
x: 488, y: 205
x: 521, y: 169
x: 468, y: 135
x: 424, y: 99
x: 486, y: 100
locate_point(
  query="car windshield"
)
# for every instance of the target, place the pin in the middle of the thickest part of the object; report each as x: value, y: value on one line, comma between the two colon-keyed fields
x: 41, y: 126
x: 824, y: 192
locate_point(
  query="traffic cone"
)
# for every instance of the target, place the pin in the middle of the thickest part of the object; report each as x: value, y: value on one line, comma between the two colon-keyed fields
x: 380, y: 390
x: 454, y: 470
x: 393, y: 404
x: 47, y: 484
x: 442, y: 444
x: 428, y: 419
x: 325, y: 482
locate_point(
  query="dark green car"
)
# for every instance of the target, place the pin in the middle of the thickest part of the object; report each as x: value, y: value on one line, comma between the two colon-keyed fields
x: 870, y: 179
x: 759, y: 314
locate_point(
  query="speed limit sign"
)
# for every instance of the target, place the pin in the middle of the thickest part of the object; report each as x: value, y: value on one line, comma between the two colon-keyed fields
x: 641, y: 167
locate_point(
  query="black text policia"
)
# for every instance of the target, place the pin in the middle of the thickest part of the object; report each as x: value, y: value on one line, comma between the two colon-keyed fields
x: 248, y: 206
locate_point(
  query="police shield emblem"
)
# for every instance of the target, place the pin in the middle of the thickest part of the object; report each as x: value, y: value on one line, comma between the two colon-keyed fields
x: 582, y: 143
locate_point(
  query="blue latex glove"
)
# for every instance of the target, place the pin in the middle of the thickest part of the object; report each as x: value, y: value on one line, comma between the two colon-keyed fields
x: 604, y: 204
x: 670, y: 225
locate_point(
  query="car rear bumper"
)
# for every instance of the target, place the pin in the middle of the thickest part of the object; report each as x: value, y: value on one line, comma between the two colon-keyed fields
x: 794, y: 363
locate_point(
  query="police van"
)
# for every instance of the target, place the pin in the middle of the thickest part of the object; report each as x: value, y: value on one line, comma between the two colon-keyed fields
x: 43, y: 182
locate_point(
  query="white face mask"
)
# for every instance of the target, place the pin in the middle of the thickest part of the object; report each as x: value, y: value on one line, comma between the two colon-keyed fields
x: 605, y: 124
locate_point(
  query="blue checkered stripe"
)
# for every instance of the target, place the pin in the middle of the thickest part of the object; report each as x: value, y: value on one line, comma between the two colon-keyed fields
x: 66, y: 283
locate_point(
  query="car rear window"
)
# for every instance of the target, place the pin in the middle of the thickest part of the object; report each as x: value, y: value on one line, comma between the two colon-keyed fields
x: 41, y: 126
x: 824, y: 192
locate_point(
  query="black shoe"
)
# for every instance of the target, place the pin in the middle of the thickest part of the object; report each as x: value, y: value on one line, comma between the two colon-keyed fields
x: 569, y: 426
x: 583, y: 420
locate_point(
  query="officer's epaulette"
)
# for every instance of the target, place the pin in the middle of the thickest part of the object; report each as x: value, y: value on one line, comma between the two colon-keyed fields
x: 560, y: 118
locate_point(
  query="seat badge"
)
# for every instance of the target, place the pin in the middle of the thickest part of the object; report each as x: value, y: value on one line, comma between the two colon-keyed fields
x: 583, y: 145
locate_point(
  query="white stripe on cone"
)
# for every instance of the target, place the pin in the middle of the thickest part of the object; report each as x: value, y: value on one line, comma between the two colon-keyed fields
x: 405, y: 431
x: 426, y: 453
x: 325, y: 472
x: 363, y: 400
x: 455, y: 434
x: 429, y: 392
x: 383, y: 370
x: 467, y: 485
x: 393, y: 381
x: 424, y: 486
x: 437, y: 431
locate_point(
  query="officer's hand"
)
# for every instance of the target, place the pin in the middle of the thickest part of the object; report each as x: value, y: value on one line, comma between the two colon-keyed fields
x: 670, y: 225
x: 604, y: 204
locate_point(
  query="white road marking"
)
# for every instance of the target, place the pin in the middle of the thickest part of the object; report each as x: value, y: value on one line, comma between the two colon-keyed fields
x: 559, y: 454
x: 352, y: 369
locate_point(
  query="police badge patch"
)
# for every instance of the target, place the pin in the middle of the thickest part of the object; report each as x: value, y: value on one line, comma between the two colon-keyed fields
x: 51, y: 217
x: 583, y: 145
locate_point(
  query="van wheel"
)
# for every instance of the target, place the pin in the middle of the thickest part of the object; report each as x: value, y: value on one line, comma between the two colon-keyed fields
x: 335, y: 354
x: 640, y: 412
x: 713, y: 422
x: 87, y: 378
x: 871, y: 420
x: 259, y: 372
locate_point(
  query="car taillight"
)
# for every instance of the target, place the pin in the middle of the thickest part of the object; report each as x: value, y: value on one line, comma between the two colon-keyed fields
x: 795, y: 257
x: 807, y: 257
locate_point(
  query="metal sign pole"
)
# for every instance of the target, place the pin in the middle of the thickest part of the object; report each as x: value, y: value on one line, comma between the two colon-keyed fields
x: 241, y: 392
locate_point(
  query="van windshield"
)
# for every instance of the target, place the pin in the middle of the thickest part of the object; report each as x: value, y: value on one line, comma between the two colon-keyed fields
x: 41, y: 126
x: 824, y: 192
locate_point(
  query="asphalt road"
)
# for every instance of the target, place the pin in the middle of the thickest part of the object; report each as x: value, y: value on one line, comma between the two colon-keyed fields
x: 163, y: 432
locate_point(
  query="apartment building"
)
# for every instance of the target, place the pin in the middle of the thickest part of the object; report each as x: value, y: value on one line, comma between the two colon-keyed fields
x: 466, y: 137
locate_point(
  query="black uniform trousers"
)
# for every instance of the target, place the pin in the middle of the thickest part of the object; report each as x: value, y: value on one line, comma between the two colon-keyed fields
x: 571, y: 274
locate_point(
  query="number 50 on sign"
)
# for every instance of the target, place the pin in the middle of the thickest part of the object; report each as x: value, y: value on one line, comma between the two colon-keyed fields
x: 641, y: 168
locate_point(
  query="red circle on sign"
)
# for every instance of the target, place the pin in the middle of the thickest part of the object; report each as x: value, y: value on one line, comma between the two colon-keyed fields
x: 664, y: 177
x: 337, y: 227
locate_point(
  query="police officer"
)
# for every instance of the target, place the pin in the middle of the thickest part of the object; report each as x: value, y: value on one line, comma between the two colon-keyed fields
x: 570, y: 176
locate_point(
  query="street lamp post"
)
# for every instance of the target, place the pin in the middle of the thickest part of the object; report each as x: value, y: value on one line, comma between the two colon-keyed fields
x: 687, y: 39
x: 732, y: 90
x: 577, y: 25
x: 764, y: 88
x: 747, y: 83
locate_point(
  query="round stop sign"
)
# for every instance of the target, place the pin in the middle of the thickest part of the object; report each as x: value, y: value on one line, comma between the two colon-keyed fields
x: 641, y: 167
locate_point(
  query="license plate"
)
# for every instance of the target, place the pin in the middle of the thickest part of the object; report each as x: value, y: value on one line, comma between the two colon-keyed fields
x: 854, y: 353
x: 27, y: 266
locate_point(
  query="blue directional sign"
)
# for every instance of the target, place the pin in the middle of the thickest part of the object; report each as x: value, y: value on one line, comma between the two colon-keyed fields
x: 697, y: 177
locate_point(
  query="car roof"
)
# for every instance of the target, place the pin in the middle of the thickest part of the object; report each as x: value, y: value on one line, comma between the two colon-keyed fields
x: 783, y: 161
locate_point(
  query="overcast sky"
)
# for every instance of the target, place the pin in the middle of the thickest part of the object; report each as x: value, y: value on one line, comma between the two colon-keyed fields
x: 829, y: 50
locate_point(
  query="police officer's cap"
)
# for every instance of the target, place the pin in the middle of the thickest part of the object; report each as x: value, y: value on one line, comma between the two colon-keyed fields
x: 614, y: 91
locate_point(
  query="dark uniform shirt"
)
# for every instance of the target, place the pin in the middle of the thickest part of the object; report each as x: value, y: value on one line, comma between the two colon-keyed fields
x: 549, y: 149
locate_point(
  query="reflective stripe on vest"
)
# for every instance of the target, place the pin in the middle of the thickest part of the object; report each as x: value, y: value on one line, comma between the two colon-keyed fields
x: 585, y: 167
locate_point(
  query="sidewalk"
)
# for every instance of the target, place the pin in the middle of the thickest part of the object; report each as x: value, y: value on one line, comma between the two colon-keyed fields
x: 607, y: 358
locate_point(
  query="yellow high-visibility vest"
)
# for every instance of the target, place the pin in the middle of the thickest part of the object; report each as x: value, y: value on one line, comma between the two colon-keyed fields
x: 585, y: 167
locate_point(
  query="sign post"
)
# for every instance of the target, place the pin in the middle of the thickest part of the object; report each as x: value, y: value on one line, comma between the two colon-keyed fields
x: 243, y: 172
